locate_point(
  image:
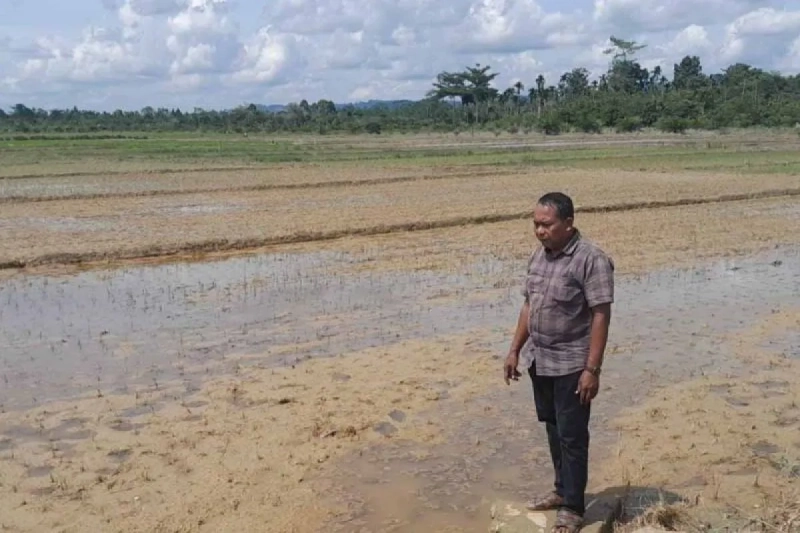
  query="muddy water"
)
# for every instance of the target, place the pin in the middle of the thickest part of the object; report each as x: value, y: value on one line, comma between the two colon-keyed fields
x: 669, y: 327
x: 109, y: 331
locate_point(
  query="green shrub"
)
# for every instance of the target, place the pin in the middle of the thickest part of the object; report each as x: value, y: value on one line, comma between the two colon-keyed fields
x: 550, y: 124
x: 628, y: 125
x: 673, y: 125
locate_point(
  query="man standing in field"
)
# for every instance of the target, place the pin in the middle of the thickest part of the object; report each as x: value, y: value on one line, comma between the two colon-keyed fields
x: 568, y: 292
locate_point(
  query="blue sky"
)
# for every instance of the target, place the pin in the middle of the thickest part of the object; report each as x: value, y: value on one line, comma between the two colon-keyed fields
x: 128, y: 54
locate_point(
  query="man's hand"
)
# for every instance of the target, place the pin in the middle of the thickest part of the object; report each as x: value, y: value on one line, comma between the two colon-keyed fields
x: 588, y: 386
x: 510, y: 368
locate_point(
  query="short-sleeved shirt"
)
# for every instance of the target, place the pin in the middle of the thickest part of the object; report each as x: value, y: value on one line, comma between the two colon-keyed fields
x: 562, y: 288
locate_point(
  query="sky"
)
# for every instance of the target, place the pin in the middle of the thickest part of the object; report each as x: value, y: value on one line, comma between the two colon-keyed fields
x: 217, y: 54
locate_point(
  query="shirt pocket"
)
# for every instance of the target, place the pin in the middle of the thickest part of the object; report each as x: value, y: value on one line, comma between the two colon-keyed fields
x: 535, y: 283
x: 566, y: 291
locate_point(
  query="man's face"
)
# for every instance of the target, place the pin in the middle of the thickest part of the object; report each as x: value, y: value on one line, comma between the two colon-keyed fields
x: 551, y: 231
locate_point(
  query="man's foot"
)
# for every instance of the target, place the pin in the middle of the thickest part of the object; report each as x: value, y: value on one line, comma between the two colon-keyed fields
x: 567, y: 521
x: 545, y: 503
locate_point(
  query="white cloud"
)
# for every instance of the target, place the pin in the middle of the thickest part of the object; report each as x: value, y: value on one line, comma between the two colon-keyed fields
x: 792, y: 59
x: 187, y: 82
x: 761, y: 36
x: 196, y: 58
x: 636, y: 16
x: 265, y: 58
x: 99, y: 56
x: 224, y: 52
x: 365, y: 92
x: 515, y: 26
x: 148, y: 8
x: 315, y: 18
x: 403, y: 36
x: 202, y: 17
x: 129, y: 18
x: 766, y: 21
x: 693, y: 40
x: 202, y: 38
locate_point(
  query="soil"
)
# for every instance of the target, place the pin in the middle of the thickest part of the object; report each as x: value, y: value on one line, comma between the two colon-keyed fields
x: 395, y: 422
x: 67, y: 231
x: 188, y: 378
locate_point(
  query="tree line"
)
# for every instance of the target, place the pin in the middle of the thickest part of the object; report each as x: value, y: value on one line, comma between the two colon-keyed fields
x: 627, y: 97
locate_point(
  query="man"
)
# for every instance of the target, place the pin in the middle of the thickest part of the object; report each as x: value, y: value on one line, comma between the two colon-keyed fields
x: 564, y: 320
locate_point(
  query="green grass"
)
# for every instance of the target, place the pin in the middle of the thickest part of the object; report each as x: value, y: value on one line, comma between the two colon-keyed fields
x: 632, y: 159
x: 690, y: 155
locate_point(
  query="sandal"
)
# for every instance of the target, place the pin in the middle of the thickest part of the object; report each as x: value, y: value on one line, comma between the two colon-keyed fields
x: 545, y: 503
x: 567, y: 521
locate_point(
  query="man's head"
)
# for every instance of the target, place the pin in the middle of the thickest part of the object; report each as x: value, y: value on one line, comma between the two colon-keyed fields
x: 552, y: 220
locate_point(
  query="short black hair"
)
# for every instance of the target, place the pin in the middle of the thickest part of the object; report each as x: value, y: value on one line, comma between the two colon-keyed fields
x: 560, y: 202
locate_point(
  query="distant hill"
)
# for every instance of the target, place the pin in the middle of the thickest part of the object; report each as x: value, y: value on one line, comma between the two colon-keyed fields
x: 368, y: 104
x: 392, y: 104
x: 274, y: 108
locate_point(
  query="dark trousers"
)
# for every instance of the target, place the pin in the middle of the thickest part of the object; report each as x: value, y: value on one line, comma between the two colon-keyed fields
x: 567, y: 423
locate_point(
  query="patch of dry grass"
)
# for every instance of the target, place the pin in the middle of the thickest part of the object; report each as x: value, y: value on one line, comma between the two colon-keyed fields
x: 727, y: 445
x: 658, y: 515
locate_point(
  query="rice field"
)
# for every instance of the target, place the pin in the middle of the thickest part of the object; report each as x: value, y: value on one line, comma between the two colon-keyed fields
x: 301, y: 333
x: 52, y: 218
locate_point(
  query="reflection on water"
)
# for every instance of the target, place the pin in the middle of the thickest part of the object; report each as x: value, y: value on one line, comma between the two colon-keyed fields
x: 110, y: 329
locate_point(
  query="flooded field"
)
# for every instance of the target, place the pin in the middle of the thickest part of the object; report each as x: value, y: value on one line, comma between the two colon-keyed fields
x: 109, y: 330
x: 160, y: 340
x: 671, y: 329
x: 106, y: 330
x: 353, y: 381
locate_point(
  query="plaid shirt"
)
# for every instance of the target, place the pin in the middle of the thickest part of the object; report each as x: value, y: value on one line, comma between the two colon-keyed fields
x: 562, y: 288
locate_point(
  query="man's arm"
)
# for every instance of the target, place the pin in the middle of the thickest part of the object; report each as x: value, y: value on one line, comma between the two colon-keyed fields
x: 520, y: 336
x: 599, y: 291
x: 601, y: 318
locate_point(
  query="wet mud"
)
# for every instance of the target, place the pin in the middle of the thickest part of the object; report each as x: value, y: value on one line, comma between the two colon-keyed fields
x: 101, y: 332
x: 670, y: 327
x: 98, y: 333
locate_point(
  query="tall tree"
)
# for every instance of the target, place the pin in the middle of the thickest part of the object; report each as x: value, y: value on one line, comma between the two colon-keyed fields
x: 472, y: 85
x: 540, y: 93
x: 688, y: 74
x: 625, y: 74
x: 574, y: 83
x: 622, y: 49
x: 658, y: 82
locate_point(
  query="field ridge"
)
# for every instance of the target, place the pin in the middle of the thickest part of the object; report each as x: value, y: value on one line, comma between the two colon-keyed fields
x: 221, y: 245
x: 93, y: 173
x: 255, y: 188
